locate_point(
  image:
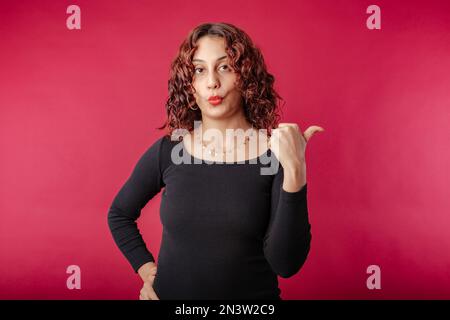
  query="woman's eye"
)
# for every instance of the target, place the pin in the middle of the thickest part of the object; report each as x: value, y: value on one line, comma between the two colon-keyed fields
x: 199, y: 70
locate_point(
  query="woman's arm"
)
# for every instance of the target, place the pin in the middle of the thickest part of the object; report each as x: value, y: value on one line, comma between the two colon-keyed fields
x: 143, y: 184
x: 288, y: 238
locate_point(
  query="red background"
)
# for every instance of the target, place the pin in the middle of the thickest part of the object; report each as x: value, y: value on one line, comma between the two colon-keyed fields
x: 79, y: 107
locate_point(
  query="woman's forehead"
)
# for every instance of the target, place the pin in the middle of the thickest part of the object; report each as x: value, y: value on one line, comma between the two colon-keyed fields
x: 210, y: 48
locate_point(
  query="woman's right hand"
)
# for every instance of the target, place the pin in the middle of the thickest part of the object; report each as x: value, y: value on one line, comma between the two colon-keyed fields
x: 148, y: 273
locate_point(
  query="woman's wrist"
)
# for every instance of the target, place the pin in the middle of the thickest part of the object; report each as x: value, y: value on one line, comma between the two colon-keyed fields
x: 146, y: 270
x: 294, y: 176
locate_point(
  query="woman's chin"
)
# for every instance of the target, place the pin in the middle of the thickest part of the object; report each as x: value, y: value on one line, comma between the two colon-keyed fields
x: 216, y: 109
x: 217, y: 112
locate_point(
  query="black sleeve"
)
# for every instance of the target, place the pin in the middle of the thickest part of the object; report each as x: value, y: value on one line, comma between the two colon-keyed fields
x: 142, y: 185
x: 287, y: 240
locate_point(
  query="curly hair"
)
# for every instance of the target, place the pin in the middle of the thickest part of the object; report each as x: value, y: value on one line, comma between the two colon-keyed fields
x: 254, y: 82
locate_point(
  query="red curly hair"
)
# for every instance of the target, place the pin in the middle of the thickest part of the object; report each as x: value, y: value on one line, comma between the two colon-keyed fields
x: 261, y: 101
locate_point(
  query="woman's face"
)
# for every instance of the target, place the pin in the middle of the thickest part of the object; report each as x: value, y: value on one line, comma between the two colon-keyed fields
x: 213, y: 76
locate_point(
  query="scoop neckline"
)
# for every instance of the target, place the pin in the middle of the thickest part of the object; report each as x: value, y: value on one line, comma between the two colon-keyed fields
x: 204, y: 161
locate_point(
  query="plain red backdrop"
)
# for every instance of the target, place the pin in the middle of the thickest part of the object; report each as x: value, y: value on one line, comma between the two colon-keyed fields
x: 79, y: 107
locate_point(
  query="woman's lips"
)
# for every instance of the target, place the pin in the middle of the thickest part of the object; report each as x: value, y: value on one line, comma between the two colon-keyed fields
x: 216, y: 100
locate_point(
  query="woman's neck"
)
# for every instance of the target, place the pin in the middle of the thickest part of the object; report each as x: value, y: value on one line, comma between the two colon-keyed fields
x: 224, y: 125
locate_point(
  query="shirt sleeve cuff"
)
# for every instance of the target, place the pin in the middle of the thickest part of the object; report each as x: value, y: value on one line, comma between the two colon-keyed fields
x: 140, y: 256
x: 297, y: 196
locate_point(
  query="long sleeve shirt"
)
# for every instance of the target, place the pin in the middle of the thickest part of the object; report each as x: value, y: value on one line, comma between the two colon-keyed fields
x: 228, y: 230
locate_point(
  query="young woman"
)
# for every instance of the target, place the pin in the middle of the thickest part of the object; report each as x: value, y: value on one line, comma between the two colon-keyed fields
x: 228, y: 228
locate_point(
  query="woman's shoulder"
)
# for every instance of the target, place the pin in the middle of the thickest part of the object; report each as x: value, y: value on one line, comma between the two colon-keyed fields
x: 167, y: 142
x: 165, y: 145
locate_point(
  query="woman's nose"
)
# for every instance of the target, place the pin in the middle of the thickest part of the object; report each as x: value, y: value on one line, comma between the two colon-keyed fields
x: 213, y: 82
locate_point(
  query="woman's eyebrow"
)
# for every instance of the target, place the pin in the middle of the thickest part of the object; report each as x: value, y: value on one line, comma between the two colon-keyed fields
x: 200, y: 60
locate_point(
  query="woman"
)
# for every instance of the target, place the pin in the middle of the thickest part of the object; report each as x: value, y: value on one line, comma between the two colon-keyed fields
x: 228, y: 229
